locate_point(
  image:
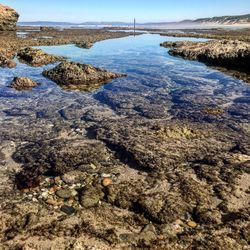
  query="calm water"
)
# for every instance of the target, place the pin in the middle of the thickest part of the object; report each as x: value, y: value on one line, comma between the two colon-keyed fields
x: 158, y: 85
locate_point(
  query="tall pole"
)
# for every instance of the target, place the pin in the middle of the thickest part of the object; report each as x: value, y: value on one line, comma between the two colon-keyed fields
x: 134, y: 26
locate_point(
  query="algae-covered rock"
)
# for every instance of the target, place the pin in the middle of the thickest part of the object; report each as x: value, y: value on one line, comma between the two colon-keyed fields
x: 80, y: 76
x: 36, y: 57
x: 23, y: 83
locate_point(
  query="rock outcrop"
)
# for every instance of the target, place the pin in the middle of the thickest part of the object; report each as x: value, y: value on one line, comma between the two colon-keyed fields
x: 80, y: 76
x: 23, y: 83
x: 223, y: 53
x: 8, y: 18
x: 36, y: 57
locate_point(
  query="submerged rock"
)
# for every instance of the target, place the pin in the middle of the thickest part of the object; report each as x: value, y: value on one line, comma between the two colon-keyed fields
x: 8, y: 18
x: 90, y: 196
x: 36, y: 57
x: 80, y: 76
x: 225, y: 53
x: 23, y: 83
x: 84, y: 45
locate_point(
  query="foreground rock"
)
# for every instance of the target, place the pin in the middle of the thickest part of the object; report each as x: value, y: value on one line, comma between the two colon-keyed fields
x: 36, y: 57
x: 80, y: 76
x: 8, y: 18
x: 23, y: 83
x: 224, y: 53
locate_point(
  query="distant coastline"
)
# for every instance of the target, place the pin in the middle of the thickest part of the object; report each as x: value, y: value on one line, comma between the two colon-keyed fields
x: 224, y: 21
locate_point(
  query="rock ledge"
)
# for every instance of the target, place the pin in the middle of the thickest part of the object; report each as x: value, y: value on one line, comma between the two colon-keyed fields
x: 223, y: 53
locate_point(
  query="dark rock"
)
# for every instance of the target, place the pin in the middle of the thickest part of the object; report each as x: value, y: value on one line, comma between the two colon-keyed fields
x: 36, y: 57
x: 68, y: 209
x: 23, y: 83
x: 8, y: 18
x: 80, y: 76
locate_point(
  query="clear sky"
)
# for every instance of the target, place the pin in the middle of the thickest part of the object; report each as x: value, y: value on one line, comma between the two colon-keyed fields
x: 125, y: 10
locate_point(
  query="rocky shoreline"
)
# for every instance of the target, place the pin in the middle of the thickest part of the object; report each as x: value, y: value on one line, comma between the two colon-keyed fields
x: 130, y: 184
x: 228, y: 54
x: 11, y: 44
x: 122, y: 169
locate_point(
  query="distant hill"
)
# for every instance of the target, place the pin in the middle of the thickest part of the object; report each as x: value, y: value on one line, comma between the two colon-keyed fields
x: 222, y: 20
x: 243, y: 19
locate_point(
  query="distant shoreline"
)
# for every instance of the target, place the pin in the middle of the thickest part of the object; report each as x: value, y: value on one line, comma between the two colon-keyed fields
x: 167, y: 26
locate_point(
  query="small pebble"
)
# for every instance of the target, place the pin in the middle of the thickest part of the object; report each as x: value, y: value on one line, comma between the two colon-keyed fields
x: 74, y: 193
x: 45, y: 194
x: 106, y: 175
x: 93, y: 166
x: 57, y: 179
x: 54, y: 189
x: 107, y: 182
x: 51, y: 202
x: 68, y: 209
x: 64, y: 193
x: 192, y: 224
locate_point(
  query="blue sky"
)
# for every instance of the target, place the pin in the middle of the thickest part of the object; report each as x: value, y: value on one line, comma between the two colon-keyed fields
x: 125, y: 10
